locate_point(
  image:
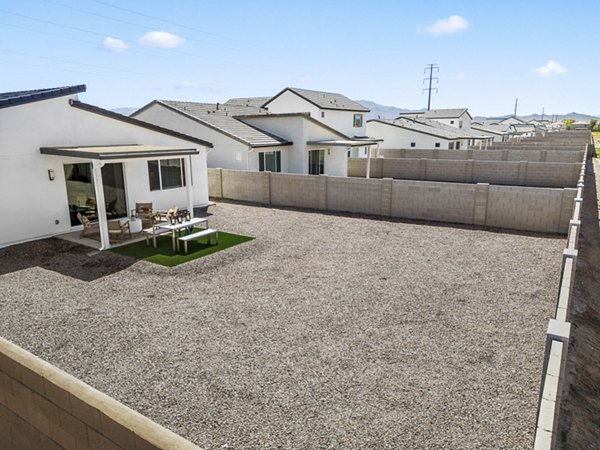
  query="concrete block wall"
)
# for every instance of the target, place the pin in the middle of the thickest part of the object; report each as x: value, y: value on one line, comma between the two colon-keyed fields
x: 520, y: 173
x: 245, y: 185
x: 525, y: 208
x: 428, y: 200
x: 521, y: 208
x: 299, y: 191
x: 559, y: 328
x: 42, y: 407
x: 492, y: 154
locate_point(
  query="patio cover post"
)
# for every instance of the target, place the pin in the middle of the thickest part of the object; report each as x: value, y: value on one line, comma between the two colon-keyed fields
x: 100, y: 205
x: 368, y: 161
x: 188, y: 184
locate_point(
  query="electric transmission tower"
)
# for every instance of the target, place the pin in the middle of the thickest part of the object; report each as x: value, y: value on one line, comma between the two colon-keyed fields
x: 430, y: 78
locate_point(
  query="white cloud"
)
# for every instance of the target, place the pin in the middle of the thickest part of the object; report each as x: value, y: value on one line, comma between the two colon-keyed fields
x: 550, y: 68
x: 452, y: 24
x: 161, y: 39
x: 115, y: 44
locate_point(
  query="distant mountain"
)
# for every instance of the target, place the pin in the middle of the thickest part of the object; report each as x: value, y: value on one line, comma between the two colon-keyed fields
x: 124, y: 111
x: 381, y: 111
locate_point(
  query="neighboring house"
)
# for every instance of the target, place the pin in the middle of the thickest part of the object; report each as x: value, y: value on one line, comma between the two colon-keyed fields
x: 498, y: 133
x: 334, y: 110
x: 455, y: 117
x: 524, y: 129
x: 407, y: 133
x: 580, y: 125
x: 472, y: 137
x: 61, y: 157
x: 317, y: 148
x: 504, y: 120
x: 292, y: 132
x: 237, y: 145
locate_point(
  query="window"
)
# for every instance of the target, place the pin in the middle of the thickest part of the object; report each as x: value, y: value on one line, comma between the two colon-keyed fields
x: 413, y: 144
x: 437, y: 145
x: 458, y: 146
x: 451, y: 146
x: 316, y: 162
x: 452, y: 122
x: 460, y: 124
x: 166, y: 174
x: 358, y: 120
x: 322, y: 113
x: 269, y: 161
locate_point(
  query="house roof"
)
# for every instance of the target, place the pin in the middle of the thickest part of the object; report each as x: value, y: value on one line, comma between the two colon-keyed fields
x: 137, y: 122
x: 8, y: 99
x: 417, y: 127
x: 345, y: 141
x: 466, y: 134
x: 221, y: 118
x: 488, y: 129
x: 256, y: 102
x: 323, y: 100
x: 118, y: 151
x: 439, y: 113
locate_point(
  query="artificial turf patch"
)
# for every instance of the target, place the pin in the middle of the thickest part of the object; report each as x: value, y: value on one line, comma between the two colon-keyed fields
x: 163, y: 253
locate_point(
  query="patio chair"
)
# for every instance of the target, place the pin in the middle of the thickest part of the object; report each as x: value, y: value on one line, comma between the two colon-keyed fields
x: 116, y: 229
x: 87, y: 225
x: 144, y: 212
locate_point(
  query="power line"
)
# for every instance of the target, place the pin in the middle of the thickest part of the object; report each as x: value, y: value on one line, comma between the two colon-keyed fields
x: 177, y: 24
x: 431, y: 68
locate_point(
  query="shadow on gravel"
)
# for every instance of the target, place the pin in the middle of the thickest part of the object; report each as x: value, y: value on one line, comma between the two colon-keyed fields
x: 66, y: 258
x: 579, y: 420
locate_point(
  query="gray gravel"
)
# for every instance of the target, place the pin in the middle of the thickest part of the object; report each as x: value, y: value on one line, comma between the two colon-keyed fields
x: 326, y: 331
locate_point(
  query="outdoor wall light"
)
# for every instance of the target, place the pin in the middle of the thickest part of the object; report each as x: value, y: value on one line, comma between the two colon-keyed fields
x: 51, y: 174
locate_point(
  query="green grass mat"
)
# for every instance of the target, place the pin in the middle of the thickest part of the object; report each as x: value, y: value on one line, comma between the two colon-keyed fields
x: 163, y: 253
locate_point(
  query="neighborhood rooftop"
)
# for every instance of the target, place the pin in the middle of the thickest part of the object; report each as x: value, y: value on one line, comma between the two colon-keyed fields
x: 324, y: 100
x: 21, y: 97
x: 221, y: 118
x: 438, y: 113
x: 414, y: 125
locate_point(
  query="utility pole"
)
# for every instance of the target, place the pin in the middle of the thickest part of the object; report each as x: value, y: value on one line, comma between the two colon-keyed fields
x: 543, y: 112
x: 431, y: 68
x: 516, y: 103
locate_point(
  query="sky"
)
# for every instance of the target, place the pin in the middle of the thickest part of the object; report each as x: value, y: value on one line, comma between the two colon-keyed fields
x: 130, y: 52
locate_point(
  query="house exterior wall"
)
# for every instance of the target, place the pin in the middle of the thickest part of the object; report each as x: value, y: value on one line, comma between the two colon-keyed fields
x: 41, y: 205
x: 456, y: 121
x: 395, y: 137
x: 300, y: 130
x: 342, y: 121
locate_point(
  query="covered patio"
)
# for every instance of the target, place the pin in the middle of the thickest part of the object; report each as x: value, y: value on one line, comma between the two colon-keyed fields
x: 99, y: 156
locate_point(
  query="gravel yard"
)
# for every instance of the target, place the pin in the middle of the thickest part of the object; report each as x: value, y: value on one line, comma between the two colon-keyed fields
x: 326, y: 331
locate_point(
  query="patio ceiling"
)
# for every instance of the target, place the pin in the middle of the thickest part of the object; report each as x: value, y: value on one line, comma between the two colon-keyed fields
x: 104, y: 152
x: 343, y: 143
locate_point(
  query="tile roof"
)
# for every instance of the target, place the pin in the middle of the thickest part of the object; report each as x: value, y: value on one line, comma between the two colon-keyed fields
x: 140, y: 123
x: 324, y: 100
x: 220, y: 117
x: 256, y: 102
x: 413, y: 125
x: 442, y: 126
x: 8, y: 99
x: 438, y: 113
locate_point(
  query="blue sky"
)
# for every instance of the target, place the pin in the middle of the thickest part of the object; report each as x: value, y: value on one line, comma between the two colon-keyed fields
x: 131, y: 52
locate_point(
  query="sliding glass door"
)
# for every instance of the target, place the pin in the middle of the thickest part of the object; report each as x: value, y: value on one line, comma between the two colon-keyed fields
x: 316, y: 162
x: 82, y: 197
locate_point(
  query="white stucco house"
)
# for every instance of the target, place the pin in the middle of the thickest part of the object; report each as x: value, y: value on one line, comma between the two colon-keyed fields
x: 237, y: 145
x: 297, y: 131
x: 498, y: 133
x: 421, y: 134
x: 60, y: 156
x: 455, y: 117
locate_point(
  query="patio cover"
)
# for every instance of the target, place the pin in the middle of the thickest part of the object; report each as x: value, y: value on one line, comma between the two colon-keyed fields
x: 118, y: 151
x: 98, y: 154
x: 344, y: 142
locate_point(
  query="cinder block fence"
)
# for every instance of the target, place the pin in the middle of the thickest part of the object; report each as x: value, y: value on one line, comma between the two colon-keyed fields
x: 514, y: 207
x: 44, y: 408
